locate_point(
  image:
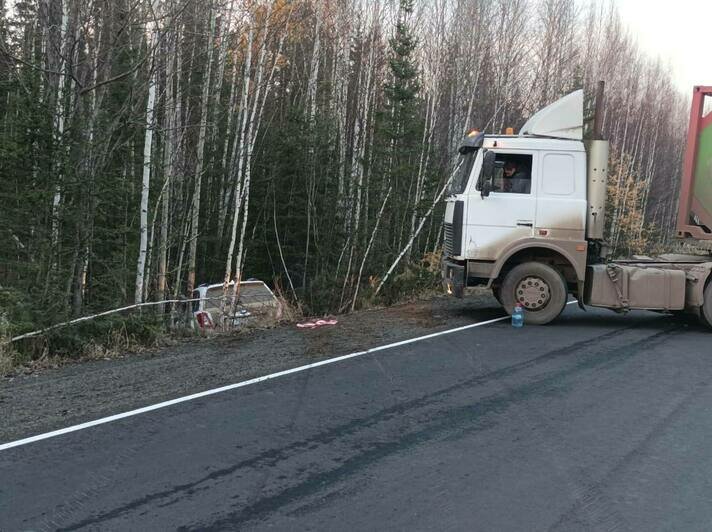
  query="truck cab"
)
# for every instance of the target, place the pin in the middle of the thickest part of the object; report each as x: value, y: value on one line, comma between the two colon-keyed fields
x: 518, y: 199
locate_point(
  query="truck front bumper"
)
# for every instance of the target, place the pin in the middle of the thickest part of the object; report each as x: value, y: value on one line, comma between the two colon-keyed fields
x: 453, y: 278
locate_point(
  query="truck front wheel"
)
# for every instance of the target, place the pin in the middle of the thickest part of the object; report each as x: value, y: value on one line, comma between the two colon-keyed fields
x: 538, y: 288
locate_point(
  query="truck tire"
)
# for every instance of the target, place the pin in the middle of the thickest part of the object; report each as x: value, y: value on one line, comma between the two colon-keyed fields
x: 706, y: 310
x: 496, y: 293
x: 538, y: 288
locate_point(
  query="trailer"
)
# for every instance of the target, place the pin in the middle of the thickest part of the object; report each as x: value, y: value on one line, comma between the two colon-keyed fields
x: 525, y: 216
x: 695, y: 208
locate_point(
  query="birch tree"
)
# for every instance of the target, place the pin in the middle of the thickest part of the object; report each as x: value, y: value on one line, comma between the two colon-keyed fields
x: 147, y: 156
x: 202, y: 132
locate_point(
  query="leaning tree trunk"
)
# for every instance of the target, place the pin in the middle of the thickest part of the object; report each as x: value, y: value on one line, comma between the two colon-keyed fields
x: 414, y: 235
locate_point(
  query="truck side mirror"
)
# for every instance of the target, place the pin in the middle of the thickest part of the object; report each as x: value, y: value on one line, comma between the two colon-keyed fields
x: 487, y: 175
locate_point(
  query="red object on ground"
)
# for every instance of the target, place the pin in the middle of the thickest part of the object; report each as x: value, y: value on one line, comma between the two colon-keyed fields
x: 204, y: 320
x: 317, y: 323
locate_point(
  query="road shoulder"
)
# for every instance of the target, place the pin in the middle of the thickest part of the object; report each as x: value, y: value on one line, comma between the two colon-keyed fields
x: 56, y: 398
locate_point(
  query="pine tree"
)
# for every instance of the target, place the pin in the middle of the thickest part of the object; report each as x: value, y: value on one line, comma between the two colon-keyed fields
x: 403, y: 122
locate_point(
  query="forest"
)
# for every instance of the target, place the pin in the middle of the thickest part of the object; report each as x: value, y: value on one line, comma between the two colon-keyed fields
x: 149, y: 146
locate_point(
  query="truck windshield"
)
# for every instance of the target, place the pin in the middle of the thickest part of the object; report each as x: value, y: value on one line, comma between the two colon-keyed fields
x: 462, y: 172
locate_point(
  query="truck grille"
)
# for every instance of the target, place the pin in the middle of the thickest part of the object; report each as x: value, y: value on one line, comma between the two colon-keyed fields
x: 452, y: 245
x: 448, y: 243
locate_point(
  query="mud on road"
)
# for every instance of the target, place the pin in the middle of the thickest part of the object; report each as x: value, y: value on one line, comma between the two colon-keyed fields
x: 56, y: 398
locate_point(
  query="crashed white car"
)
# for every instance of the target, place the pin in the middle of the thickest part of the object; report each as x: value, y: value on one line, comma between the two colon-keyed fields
x: 254, y: 300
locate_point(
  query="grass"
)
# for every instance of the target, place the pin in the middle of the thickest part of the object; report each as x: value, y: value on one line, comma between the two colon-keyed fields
x: 108, y: 337
x: 7, y: 359
x: 119, y: 334
x: 102, y: 338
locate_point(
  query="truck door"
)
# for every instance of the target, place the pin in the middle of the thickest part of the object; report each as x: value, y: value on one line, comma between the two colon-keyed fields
x: 561, y: 197
x: 507, y: 214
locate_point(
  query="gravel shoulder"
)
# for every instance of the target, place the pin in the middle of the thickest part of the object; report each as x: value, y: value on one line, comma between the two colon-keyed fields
x: 57, y: 398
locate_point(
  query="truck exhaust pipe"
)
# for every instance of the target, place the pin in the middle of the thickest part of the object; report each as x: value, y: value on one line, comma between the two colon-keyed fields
x: 597, y: 180
x: 598, y: 112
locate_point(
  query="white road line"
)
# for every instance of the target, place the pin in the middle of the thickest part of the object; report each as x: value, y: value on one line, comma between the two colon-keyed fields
x: 130, y: 413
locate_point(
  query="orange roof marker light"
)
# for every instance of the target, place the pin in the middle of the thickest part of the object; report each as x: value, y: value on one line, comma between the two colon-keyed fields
x: 509, y: 131
x: 473, y: 133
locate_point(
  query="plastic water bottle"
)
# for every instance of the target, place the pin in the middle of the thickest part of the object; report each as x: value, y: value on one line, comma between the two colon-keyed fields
x: 518, y: 316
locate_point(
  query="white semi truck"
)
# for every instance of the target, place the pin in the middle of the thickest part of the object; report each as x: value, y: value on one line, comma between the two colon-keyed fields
x: 526, y: 215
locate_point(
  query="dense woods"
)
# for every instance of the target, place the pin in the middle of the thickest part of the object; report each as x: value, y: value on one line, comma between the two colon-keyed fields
x: 147, y: 146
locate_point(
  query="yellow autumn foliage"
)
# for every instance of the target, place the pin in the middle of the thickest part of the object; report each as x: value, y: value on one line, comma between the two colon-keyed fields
x: 627, y: 232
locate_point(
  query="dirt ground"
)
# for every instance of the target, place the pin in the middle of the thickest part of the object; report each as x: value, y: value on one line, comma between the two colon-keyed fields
x: 55, y: 398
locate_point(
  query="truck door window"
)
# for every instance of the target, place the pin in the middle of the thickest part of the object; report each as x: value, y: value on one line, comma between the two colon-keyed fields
x: 515, y: 177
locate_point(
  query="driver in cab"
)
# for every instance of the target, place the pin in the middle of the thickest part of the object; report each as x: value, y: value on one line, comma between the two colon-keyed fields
x: 516, y: 179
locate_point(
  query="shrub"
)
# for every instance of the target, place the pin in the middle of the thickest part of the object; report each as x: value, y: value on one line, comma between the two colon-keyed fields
x: 416, y: 279
x: 7, y: 357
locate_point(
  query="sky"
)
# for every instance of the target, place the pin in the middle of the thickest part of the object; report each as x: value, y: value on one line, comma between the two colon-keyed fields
x: 678, y: 31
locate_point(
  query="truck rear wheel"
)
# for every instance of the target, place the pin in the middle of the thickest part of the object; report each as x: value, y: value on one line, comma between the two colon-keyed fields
x: 706, y: 311
x: 538, y: 288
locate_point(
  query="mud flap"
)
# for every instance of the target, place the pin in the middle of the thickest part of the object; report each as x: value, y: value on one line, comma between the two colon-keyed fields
x: 579, y: 296
x: 454, y: 278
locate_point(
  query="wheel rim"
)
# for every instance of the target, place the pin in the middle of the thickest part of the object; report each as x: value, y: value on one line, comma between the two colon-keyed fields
x: 533, y: 293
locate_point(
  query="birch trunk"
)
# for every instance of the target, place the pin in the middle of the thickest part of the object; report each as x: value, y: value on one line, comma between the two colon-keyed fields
x: 195, y: 211
x: 168, y: 165
x: 238, y: 154
x: 59, y: 118
x: 147, y: 158
x: 312, y: 105
x: 253, y: 127
x: 227, y: 155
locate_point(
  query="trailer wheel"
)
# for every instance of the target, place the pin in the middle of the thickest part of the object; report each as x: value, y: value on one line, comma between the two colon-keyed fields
x: 538, y: 288
x: 706, y: 311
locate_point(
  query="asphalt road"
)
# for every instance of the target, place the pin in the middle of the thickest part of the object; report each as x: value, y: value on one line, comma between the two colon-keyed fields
x: 599, y: 422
